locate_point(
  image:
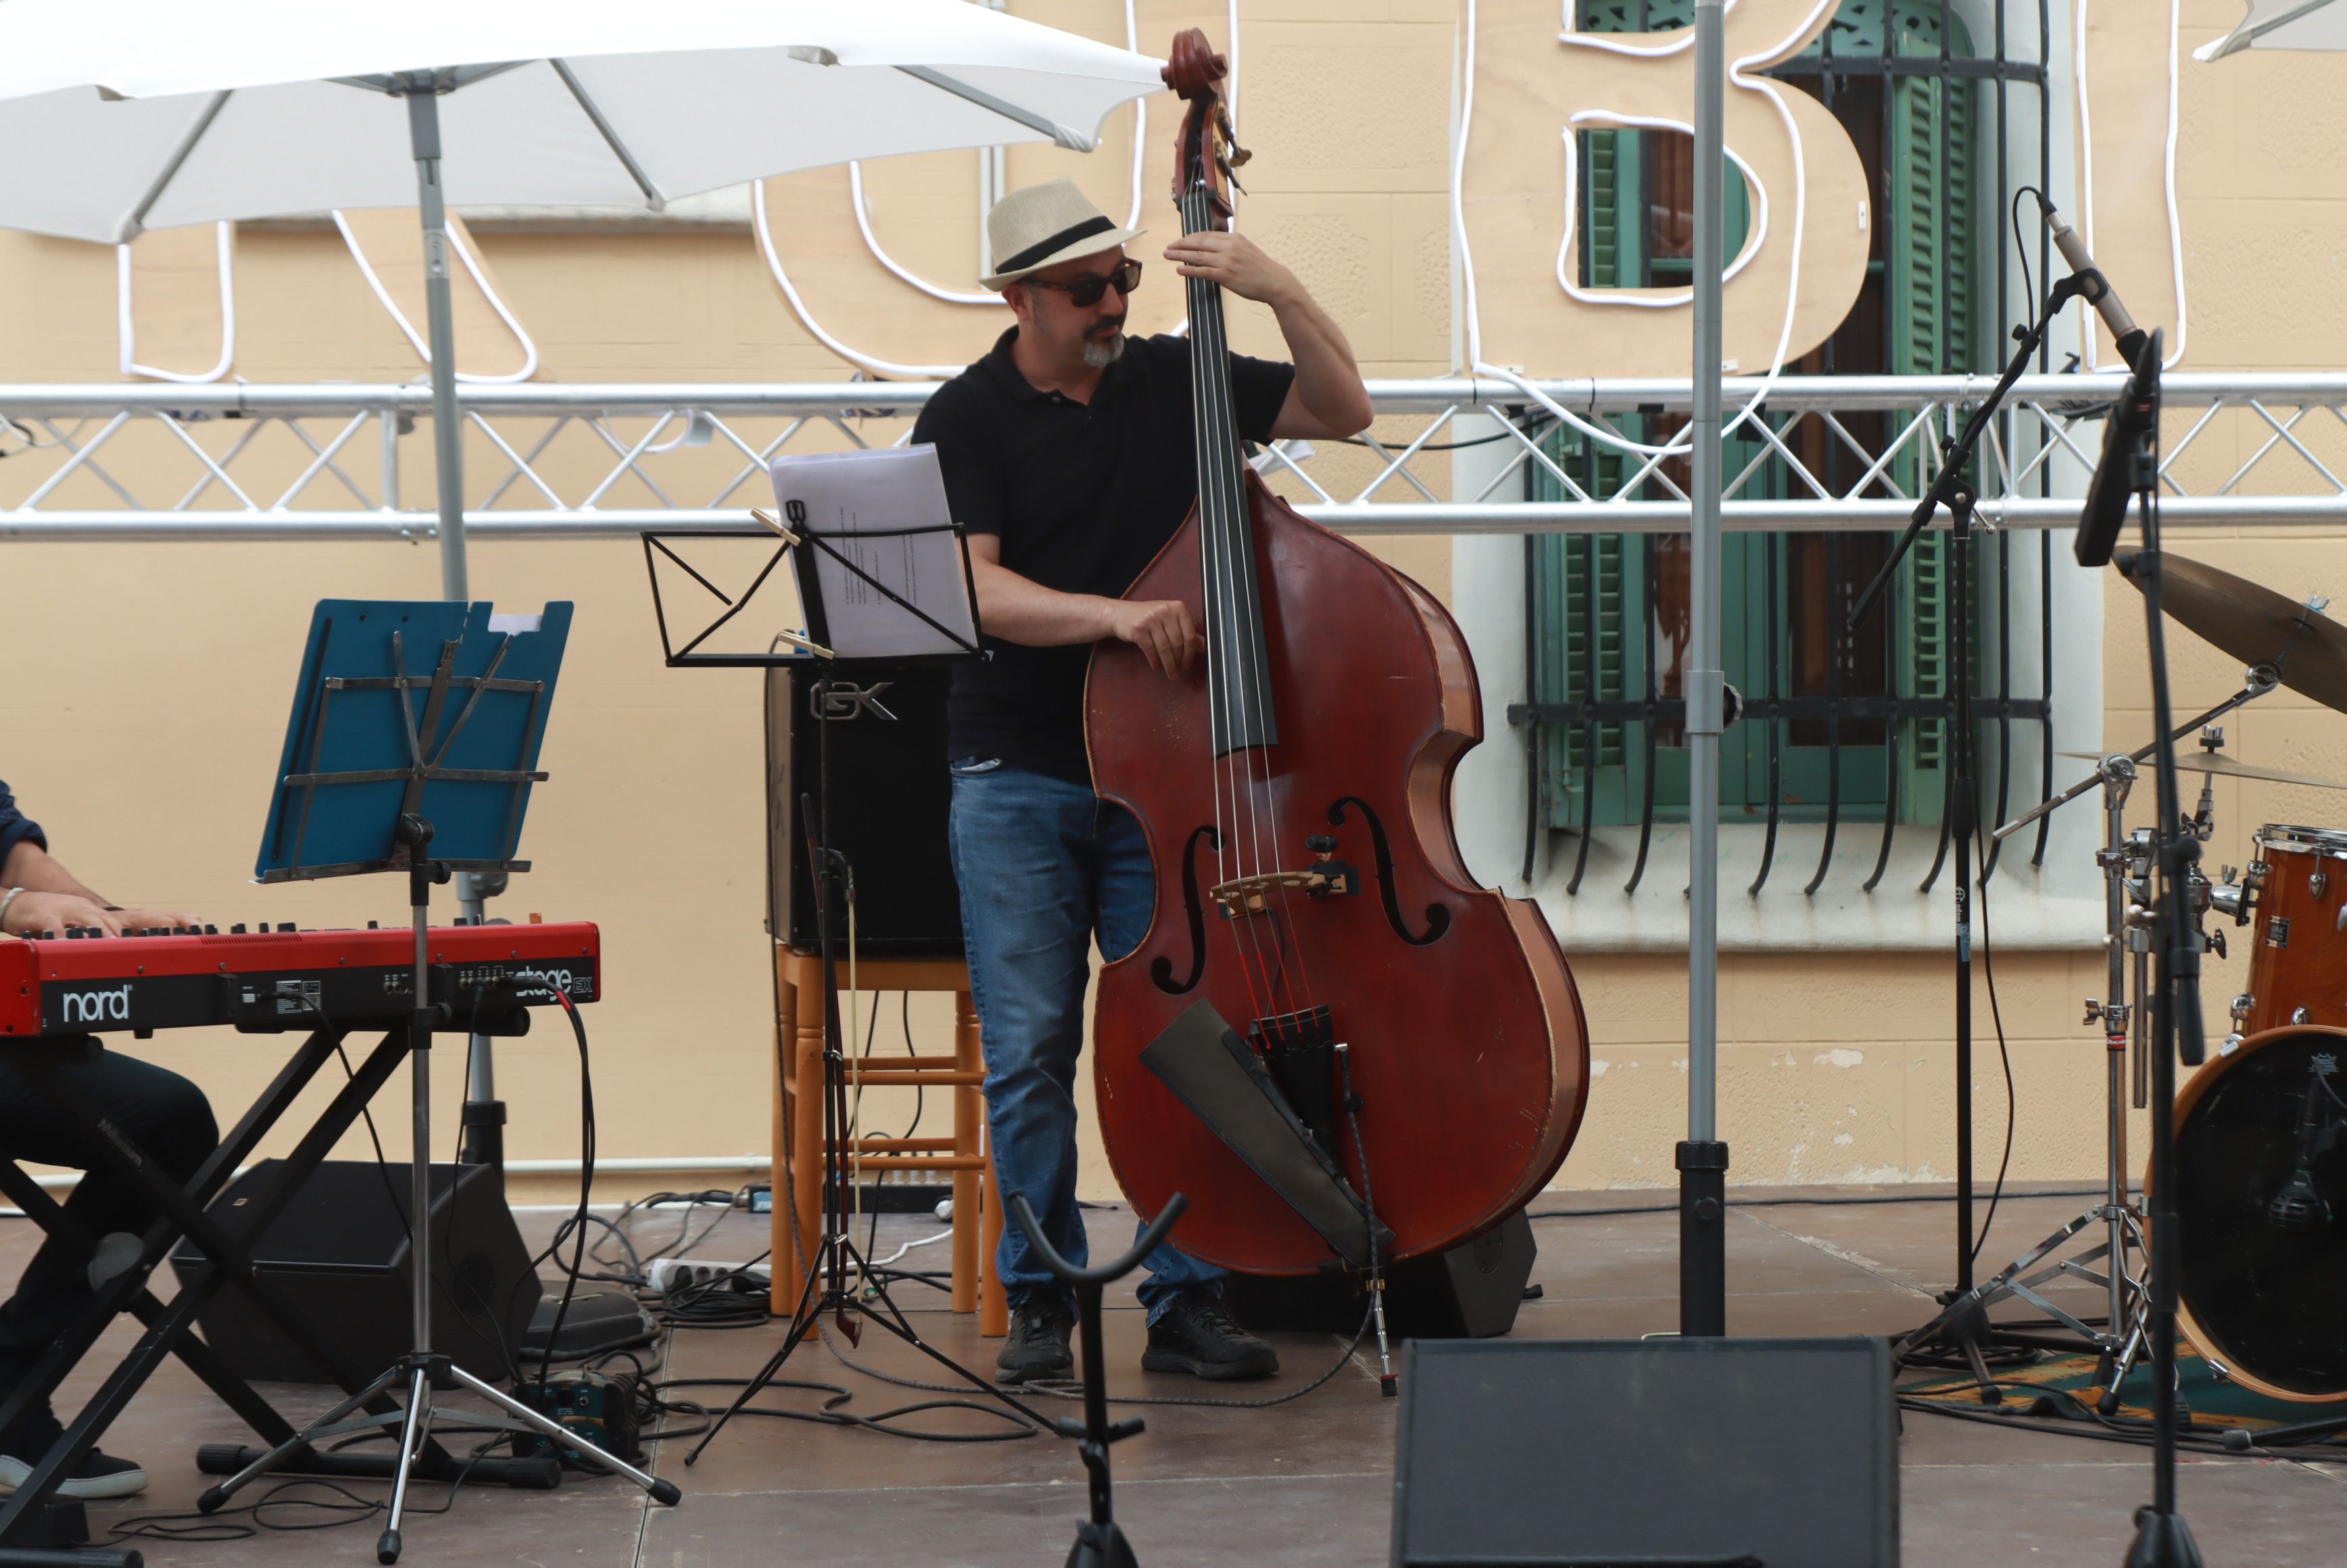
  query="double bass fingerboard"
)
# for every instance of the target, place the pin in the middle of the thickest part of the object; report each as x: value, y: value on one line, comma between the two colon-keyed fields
x: 1237, y: 671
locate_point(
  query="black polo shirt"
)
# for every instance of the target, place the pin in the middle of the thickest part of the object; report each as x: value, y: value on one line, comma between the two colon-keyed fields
x: 1084, y: 496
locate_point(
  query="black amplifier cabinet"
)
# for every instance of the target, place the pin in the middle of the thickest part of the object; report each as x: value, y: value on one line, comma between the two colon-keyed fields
x: 889, y: 797
x: 338, y: 1256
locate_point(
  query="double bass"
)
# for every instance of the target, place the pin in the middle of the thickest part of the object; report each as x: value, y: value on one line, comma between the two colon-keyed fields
x: 1295, y: 788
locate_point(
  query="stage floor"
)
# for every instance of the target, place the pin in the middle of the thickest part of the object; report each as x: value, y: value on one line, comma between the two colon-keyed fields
x: 1304, y: 1483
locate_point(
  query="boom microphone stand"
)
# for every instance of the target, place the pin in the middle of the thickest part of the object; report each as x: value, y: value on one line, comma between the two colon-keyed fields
x: 1952, y: 487
x: 2130, y: 465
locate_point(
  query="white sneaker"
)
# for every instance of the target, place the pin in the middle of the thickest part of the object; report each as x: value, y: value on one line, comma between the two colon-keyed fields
x: 99, y: 1475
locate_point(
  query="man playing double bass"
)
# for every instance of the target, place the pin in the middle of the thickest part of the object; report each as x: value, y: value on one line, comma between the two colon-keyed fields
x: 1068, y: 453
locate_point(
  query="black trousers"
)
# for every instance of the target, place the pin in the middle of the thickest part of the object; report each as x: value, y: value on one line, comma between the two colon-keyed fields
x: 162, y: 1112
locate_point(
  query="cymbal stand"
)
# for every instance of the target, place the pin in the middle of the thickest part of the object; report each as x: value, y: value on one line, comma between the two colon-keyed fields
x: 2125, y: 868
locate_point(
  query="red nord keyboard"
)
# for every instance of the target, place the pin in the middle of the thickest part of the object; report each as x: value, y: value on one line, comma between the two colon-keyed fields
x: 287, y: 979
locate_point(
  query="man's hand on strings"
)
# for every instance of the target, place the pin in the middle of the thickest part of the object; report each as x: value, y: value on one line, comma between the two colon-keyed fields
x: 1236, y: 263
x: 1162, y: 628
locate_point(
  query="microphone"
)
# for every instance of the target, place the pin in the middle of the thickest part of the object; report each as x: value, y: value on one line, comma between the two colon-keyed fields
x: 2098, y: 291
x: 2117, y: 477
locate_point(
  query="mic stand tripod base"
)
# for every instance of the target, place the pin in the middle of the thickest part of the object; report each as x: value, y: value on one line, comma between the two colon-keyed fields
x: 2162, y: 1541
x: 1100, y: 1546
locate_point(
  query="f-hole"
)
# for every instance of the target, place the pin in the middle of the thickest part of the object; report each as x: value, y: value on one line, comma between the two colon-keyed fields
x: 1438, y: 916
x: 1161, y: 971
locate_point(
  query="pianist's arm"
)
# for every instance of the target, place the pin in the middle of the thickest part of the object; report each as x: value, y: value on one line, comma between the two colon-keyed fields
x: 53, y: 899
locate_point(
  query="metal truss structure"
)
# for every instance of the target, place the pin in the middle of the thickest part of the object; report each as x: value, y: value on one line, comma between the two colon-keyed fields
x: 325, y: 461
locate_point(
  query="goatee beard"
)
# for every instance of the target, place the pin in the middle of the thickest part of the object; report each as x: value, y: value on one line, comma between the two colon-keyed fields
x: 1100, y: 353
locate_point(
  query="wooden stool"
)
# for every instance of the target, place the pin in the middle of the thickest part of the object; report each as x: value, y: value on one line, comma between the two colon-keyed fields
x: 798, y: 1110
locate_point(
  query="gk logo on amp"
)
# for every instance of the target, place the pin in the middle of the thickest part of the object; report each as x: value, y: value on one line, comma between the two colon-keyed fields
x: 112, y: 1005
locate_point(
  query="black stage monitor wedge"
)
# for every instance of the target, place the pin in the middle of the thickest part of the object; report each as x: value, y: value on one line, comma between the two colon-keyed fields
x: 890, y: 793
x: 338, y: 1256
x: 1610, y: 1453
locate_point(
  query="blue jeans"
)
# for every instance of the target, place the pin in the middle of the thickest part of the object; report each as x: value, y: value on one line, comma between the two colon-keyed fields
x: 1045, y: 865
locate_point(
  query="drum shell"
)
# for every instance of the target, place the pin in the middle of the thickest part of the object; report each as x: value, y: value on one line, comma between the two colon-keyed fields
x: 2258, y: 1302
x: 2298, y: 957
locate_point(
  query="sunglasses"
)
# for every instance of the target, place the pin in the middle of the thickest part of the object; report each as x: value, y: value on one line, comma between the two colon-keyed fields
x: 1085, y: 291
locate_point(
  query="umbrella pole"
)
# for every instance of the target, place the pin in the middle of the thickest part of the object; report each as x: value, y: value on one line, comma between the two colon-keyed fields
x: 447, y: 434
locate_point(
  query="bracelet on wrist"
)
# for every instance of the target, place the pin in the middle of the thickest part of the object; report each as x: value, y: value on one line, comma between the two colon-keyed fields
x: 10, y: 896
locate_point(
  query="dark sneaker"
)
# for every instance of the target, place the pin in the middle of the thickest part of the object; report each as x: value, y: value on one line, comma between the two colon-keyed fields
x: 1038, y: 1346
x: 99, y: 1475
x: 1197, y: 1335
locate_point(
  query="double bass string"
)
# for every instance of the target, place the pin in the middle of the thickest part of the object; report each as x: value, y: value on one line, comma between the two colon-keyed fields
x: 1213, y: 535
x: 1218, y: 432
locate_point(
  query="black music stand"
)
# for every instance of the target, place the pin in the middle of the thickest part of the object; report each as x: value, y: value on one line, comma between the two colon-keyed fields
x: 812, y: 537
x: 1099, y: 1541
x: 368, y: 782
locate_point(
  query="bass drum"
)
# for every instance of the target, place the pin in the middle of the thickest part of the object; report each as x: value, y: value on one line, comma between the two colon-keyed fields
x: 2261, y: 1213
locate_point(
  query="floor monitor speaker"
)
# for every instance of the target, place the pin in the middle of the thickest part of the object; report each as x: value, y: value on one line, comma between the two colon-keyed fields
x: 1701, y: 1453
x: 889, y: 797
x: 1471, y: 1292
x: 337, y: 1254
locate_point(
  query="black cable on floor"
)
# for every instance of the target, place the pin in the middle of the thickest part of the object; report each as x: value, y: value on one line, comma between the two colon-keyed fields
x: 196, y: 1528
x: 1071, y: 1390
x: 833, y: 1414
x: 1855, y: 1200
x: 2106, y: 1428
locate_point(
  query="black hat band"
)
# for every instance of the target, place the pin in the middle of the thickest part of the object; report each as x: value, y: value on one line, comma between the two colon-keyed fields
x: 1064, y: 238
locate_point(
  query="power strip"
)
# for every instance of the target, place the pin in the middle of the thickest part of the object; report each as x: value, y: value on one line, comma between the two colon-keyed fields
x: 668, y: 1274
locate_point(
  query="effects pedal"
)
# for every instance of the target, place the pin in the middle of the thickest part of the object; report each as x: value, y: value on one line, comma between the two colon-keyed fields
x: 600, y: 1406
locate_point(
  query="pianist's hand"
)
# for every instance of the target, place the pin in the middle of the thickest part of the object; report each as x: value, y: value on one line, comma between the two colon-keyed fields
x: 144, y: 919
x: 31, y: 913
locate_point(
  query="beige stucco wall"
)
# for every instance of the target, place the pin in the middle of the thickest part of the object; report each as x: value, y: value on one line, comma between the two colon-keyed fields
x: 148, y: 682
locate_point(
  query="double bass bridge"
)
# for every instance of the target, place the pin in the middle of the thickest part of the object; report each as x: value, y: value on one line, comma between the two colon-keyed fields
x: 1243, y: 898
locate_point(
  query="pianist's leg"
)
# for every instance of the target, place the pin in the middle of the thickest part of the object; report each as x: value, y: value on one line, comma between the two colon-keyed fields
x: 165, y: 1115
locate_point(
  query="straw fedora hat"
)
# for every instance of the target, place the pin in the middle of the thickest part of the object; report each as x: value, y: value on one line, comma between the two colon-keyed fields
x: 1032, y: 228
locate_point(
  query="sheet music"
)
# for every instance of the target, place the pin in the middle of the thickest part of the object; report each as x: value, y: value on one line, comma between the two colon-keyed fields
x: 884, y: 510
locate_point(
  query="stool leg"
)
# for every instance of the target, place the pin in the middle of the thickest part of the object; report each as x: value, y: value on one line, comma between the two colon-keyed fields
x: 969, y: 1113
x: 782, y: 1272
x: 806, y: 1179
x: 993, y: 1307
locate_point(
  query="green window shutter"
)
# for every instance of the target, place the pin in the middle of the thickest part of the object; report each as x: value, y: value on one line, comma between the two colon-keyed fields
x: 1610, y: 246
x: 1933, y: 283
x: 1589, y: 612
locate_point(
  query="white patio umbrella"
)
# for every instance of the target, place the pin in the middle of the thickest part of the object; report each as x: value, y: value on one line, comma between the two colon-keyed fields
x: 2282, y: 24
x: 130, y: 115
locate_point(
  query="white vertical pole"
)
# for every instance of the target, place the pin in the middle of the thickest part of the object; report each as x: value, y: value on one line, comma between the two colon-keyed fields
x: 1703, y: 1159
x: 448, y: 432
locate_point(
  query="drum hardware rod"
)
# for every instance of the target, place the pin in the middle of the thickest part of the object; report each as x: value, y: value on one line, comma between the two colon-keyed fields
x: 2118, y: 779
x: 2138, y: 946
x: 2256, y: 681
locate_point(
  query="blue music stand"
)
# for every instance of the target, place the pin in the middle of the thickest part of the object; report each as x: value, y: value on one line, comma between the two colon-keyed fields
x: 417, y: 708
x: 415, y: 723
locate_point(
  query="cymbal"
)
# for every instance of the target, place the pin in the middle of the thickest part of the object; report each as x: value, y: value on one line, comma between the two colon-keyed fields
x: 2253, y: 623
x: 2198, y: 760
